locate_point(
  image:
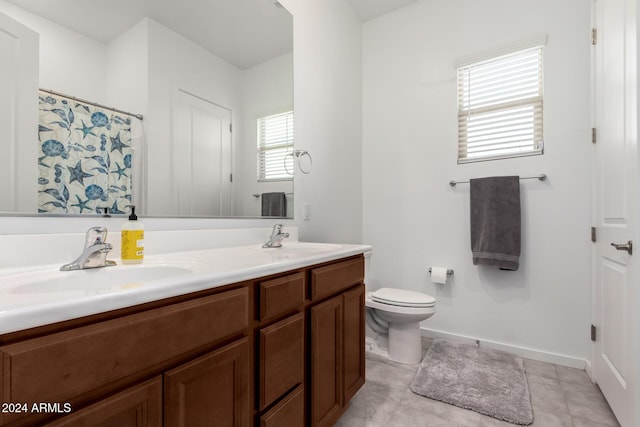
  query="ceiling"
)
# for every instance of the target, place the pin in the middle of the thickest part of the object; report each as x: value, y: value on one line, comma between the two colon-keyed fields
x: 370, y: 9
x: 242, y: 32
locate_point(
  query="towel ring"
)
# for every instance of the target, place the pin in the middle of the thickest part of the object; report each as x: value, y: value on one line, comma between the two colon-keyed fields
x: 299, y: 154
x: 284, y: 162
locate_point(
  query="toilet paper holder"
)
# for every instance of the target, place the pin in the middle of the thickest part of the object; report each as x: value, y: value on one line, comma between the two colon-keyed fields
x: 449, y: 271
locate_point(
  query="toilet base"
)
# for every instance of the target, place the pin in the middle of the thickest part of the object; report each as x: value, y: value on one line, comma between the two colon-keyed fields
x: 405, y: 343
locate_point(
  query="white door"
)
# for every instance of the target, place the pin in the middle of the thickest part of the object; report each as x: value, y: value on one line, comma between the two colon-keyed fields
x: 615, y: 358
x: 201, y: 157
x: 18, y: 117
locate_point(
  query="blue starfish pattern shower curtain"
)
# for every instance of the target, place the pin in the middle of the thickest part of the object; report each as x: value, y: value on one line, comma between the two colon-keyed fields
x: 84, y: 158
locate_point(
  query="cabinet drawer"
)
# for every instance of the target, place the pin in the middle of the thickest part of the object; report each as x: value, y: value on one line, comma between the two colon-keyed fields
x: 331, y: 279
x: 61, y: 366
x: 278, y: 296
x: 281, y: 358
x: 138, y: 406
x: 289, y: 412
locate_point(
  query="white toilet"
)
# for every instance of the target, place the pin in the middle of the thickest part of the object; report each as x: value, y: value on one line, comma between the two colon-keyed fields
x: 401, y: 311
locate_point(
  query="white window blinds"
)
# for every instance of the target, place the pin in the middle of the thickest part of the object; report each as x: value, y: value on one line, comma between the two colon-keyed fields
x: 500, y: 107
x: 275, y: 145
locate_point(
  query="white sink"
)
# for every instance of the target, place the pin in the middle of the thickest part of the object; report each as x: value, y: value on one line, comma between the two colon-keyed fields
x: 101, y: 280
x: 37, y: 295
x: 303, y: 248
x: 310, y: 248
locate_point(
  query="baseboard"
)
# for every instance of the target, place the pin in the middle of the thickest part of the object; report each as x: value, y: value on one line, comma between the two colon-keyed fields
x: 529, y: 353
x: 589, y: 370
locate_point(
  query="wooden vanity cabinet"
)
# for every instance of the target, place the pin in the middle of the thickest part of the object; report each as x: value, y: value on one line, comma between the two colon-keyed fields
x: 330, y: 300
x: 138, y: 406
x: 281, y: 358
x: 289, y: 412
x: 337, y: 336
x: 326, y: 362
x: 353, y: 335
x: 287, y: 350
x: 212, y: 390
x: 84, y: 366
x: 280, y: 296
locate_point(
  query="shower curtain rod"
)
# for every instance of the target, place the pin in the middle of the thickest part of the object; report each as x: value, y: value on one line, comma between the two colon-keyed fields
x: 95, y: 104
x: 541, y: 177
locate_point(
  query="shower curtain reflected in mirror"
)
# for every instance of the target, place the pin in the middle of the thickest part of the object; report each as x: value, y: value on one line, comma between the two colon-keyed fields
x: 84, y: 157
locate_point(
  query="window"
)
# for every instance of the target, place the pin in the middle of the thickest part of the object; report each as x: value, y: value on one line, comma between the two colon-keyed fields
x: 500, y: 107
x: 275, y: 147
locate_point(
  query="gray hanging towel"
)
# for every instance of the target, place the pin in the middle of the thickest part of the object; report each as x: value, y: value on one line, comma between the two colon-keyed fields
x: 495, y: 221
x: 274, y: 204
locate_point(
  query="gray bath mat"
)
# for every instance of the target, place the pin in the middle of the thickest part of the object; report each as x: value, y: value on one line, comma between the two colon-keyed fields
x: 487, y: 381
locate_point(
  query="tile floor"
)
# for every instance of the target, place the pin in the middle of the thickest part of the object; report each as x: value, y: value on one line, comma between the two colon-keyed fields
x: 560, y: 397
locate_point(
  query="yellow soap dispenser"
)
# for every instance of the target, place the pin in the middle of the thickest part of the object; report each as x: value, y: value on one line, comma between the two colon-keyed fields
x: 132, y: 251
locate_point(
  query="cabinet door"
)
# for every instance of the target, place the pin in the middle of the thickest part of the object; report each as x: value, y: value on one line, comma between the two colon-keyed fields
x: 138, y: 406
x: 326, y: 362
x: 212, y: 390
x: 354, y: 331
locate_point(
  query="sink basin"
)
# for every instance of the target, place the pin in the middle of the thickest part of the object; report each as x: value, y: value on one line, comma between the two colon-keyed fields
x: 310, y: 248
x: 303, y: 248
x: 101, y: 280
x: 295, y: 251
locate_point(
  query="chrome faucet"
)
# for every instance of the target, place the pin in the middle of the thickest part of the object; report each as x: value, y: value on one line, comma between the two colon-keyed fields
x: 95, y: 251
x: 275, y: 241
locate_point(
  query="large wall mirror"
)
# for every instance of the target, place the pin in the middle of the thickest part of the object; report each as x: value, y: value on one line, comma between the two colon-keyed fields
x: 212, y: 82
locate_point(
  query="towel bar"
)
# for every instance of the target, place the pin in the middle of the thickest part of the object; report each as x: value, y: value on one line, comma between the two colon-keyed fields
x: 258, y: 195
x: 540, y: 177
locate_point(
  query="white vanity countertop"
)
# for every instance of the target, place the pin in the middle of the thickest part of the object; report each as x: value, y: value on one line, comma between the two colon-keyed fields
x: 41, y: 295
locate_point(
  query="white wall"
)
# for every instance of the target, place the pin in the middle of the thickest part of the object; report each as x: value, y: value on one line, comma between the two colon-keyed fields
x: 266, y: 89
x: 327, y: 57
x: 127, y: 69
x: 415, y: 220
x: 127, y: 88
x: 69, y: 62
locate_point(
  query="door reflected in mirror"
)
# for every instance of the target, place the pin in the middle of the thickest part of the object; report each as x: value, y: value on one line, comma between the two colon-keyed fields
x: 200, y: 75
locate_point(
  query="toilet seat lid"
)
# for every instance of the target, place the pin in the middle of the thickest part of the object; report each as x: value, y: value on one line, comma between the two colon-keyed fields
x: 403, y: 298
